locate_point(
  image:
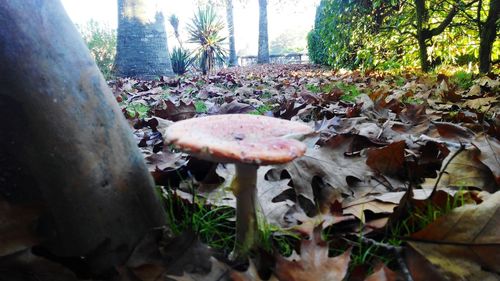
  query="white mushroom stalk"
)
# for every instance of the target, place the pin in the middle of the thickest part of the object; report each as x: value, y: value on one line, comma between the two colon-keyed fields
x: 247, y: 141
x: 245, y: 191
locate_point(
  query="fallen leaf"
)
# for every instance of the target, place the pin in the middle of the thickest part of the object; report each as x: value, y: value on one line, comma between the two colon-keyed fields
x: 314, y: 263
x: 466, y: 170
x: 176, y: 112
x: 383, y: 273
x: 388, y: 160
x: 465, y: 243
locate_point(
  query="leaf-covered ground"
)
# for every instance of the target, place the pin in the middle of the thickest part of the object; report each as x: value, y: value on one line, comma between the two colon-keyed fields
x: 399, y: 182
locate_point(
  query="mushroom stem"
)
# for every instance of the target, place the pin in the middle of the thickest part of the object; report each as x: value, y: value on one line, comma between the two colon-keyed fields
x: 245, y: 190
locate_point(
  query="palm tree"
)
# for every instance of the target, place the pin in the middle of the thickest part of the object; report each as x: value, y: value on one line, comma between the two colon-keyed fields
x: 263, y: 53
x: 142, y: 50
x: 174, y: 22
x: 205, y: 30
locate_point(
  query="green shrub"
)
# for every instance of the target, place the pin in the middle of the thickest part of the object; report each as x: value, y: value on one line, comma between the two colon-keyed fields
x: 181, y: 60
x: 101, y: 41
x: 315, y: 45
x: 316, y: 48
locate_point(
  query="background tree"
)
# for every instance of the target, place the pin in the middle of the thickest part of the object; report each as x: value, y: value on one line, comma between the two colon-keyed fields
x: 424, y: 30
x: 488, y: 33
x: 229, y: 7
x: 101, y: 41
x: 263, y: 51
x: 233, y: 59
x: 205, y: 30
x: 174, y: 22
x: 142, y: 49
x: 67, y: 147
x: 388, y: 34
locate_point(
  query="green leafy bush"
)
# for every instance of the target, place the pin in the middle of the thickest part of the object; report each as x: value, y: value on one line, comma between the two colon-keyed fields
x: 181, y: 60
x: 315, y: 45
x: 382, y: 34
x: 316, y: 49
x: 101, y: 41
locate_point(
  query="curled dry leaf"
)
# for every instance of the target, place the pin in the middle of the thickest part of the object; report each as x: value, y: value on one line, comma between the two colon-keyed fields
x: 464, y: 244
x: 466, y: 170
x: 490, y: 154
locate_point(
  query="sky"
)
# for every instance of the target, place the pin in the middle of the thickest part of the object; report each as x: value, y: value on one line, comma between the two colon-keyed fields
x: 297, y: 17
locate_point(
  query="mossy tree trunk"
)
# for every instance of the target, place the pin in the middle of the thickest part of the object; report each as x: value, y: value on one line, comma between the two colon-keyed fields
x: 142, y: 50
x: 64, y: 142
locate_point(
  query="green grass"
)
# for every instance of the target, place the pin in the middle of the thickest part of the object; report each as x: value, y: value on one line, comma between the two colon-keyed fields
x: 327, y: 88
x: 420, y: 218
x: 200, y: 106
x: 274, y: 238
x: 313, y: 88
x: 350, y: 92
x: 265, y: 95
x: 261, y: 110
x: 212, y: 223
x: 137, y: 109
x: 463, y: 79
x: 216, y: 227
x: 412, y: 100
x: 400, y: 81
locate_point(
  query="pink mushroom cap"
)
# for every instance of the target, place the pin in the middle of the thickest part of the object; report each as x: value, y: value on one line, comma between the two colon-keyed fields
x: 239, y: 138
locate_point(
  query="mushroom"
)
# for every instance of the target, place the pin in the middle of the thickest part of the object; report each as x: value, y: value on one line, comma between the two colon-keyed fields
x: 247, y: 141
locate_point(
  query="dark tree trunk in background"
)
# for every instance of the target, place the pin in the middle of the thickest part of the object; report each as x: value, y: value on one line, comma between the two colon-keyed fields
x: 488, y: 35
x: 263, y: 52
x: 141, y: 50
x: 424, y: 33
x: 233, y: 59
x: 422, y: 16
x: 64, y: 142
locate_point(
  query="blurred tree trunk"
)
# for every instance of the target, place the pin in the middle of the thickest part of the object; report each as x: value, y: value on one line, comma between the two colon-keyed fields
x: 64, y: 142
x: 488, y: 35
x: 142, y: 50
x: 233, y: 59
x: 263, y: 52
x: 424, y: 33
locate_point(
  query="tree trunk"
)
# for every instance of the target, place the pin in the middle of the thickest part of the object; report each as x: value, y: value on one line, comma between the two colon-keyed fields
x: 233, y: 59
x: 421, y: 15
x: 263, y: 53
x: 141, y: 50
x: 64, y: 140
x: 422, y: 46
x: 424, y: 33
x: 487, y: 36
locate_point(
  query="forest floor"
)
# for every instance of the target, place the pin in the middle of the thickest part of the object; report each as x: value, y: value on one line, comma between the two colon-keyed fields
x: 400, y: 182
